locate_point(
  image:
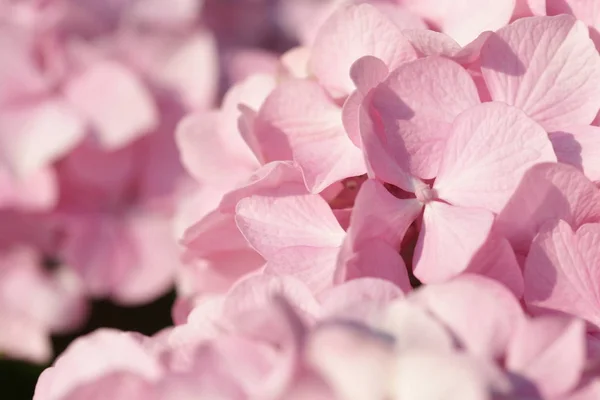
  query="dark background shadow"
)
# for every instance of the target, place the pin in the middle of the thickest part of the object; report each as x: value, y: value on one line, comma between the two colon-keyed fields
x: 18, y: 379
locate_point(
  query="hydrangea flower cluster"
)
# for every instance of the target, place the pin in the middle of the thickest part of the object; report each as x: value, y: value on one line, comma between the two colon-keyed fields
x: 403, y: 206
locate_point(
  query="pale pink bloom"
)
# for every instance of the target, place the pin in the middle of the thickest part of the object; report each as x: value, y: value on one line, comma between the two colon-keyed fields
x: 471, y: 184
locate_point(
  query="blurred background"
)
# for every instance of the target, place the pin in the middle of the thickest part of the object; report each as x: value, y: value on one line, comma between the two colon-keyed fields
x: 91, y: 92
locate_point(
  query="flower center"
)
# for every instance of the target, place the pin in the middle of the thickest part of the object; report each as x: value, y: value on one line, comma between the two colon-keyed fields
x: 425, y: 194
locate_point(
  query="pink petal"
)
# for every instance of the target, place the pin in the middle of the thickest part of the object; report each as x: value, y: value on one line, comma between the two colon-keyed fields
x: 549, y: 351
x: 415, y: 328
x: 484, y: 327
x: 491, y: 148
x: 553, y: 75
x: 388, y: 221
x: 354, y: 31
x: 254, y: 293
x: 354, y: 360
x: 379, y: 157
x: 274, y: 178
x: 548, y: 192
x: 363, y: 297
x: 584, y: 10
x: 206, y: 155
x: 527, y: 8
x: 36, y: 192
x: 271, y: 224
x: 314, y: 266
x: 376, y: 259
x: 580, y: 147
x: 302, y: 114
x: 450, y: 16
x: 295, y: 61
x: 456, y: 376
x: 115, y: 102
x: 431, y: 43
x: 496, y: 260
x: 368, y: 72
x: 206, y: 236
x: 562, y: 270
x: 417, y: 122
x: 130, y: 259
x: 112, y: 352
x: 35, y: 135
x: 193, y: 71
x: 449, y: 240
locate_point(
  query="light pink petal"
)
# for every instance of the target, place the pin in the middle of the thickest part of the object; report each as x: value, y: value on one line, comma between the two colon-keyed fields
x: 34, y: 135
x: 218, y: 271
x: 580, y: 147
x: 379, y: 157
x: 546, y: 66
x: 311, y: 123
x: 238, y: 119
x: 36, y: 192
x: 354, y: 360
x: 550, y: 351
x: 584, y: 10
x: 368, y: 72
x: 274, y: 178
x: 484, y: 326
x: 192, y: 70
x: 354, y: 31
x: 562, y: 270
x: 388, y: 221
x: 274, y: 223
x: 431, y: 43
x: 496, y: 260
x: 395, y: 11
x: 112, y: 352
x: 449, y: 240
x: 415, y: 328
x: 115, y: 102
x: 314, y: 266
x: 527, y: 8
x: 157, y: 259
x: 358, y: 298
x: 374, y: 258
x: 208, y: 156
x: 548, y: 192
x: 466, y: 19
x: 295, y: 61
x: 206, y: 236
x: 131, y: 259
x: 417, y: 122
x: 491, y: 148
x: 421, y: 374
x: 254, y: 293
x: 23, y: 338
